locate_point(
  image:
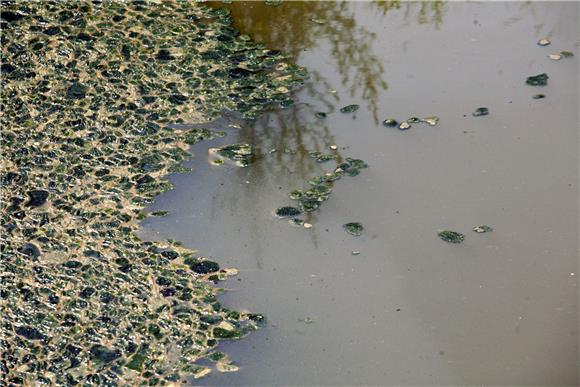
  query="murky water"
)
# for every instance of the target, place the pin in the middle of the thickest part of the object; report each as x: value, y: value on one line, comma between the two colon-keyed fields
x: 410, y: 309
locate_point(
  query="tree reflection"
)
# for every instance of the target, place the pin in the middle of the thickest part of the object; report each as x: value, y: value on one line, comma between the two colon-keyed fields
x: 285, y: 137
x: 425, y: 12
x: 297, y: 26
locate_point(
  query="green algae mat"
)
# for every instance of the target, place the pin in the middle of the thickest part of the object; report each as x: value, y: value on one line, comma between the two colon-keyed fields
x: 88, y: 91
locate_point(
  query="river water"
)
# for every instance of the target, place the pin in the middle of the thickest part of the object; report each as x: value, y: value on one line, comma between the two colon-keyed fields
x: 409, y: 309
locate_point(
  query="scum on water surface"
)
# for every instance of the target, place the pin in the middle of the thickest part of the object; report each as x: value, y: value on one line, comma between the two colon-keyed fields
x: 88, y: 90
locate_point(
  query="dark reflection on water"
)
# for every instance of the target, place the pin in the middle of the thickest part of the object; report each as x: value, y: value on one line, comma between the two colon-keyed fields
x: 285, y: 137
x: 297, y: 26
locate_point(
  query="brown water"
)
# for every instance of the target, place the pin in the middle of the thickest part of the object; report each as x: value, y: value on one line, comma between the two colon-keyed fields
x: 500, y: 308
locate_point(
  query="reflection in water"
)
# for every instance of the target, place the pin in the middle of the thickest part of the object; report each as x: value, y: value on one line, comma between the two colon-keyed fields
x: 297, y: 26
x: 285, y: 138
x: 426, y: 12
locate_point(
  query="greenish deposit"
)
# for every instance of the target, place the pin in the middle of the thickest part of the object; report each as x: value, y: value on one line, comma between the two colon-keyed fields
x: 353, y: 228
x: 537, y: 80
x: 88, y: 91
x: 567, y: 54
x: 193, y: 136
x: 240, y: 154
x: 349, y: 109
x: 320, y: 189
x: 322, y: 157
x: 285, y: 212
x: 451, y: 236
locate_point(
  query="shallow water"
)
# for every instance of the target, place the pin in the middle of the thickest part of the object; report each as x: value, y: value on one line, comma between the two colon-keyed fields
x: 500, y: 308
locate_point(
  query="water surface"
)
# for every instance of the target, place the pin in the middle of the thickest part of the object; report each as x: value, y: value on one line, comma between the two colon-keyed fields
x: 410, y: 309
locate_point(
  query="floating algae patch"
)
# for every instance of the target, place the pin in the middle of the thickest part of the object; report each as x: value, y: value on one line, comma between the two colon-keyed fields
x: 353, y: 228
x: 537, y: 80
x: 480, y: 111
x: 451, y: 236
x: 193, y: 136
x: 390, y: 123
x: 287, y: 211
x: 88, y: 91
x: 239, y: 154
x: 322, y: 157
x: 311, y: 199
x: 349, y: 108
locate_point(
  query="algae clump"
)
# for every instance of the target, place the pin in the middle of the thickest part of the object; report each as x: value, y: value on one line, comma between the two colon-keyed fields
x: 451, y: 236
